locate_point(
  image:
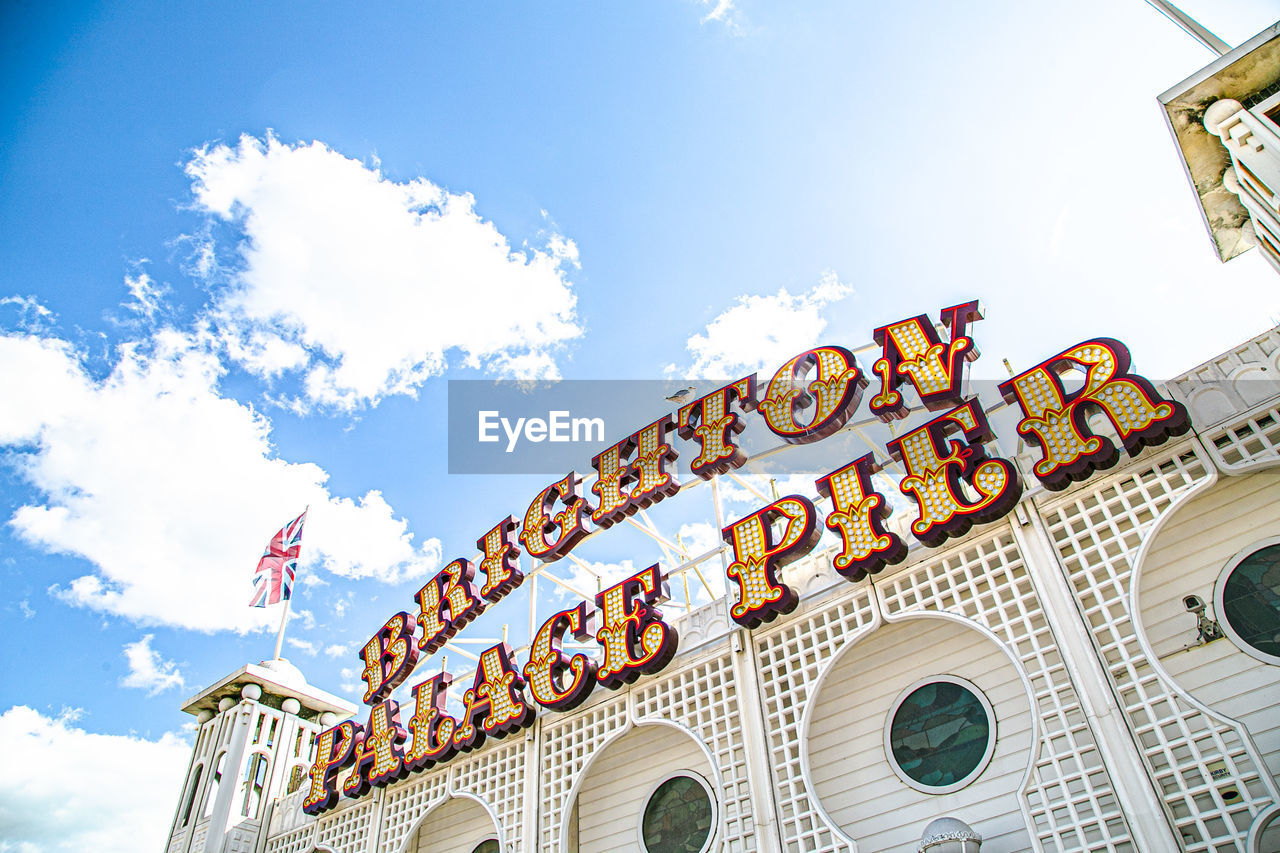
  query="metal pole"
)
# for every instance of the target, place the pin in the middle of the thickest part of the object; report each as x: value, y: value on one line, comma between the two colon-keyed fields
x: 1191, y: 26
x: 284, y: 619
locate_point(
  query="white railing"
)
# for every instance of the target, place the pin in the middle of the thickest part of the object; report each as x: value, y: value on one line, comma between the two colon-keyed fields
x: 1253, y: 141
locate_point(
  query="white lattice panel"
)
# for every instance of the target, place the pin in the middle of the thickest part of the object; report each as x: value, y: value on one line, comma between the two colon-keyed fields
x: 566, y: 747
x: 703, y: 698
x: 407, y: 802
x: 298, y: 841
x: 1097, y: 535
x: 790, y: 660
x: 175, y: 844
x: 347, y: 831
x: 1250, y: 440
x: 497, y: 777
x: 1069, y: 800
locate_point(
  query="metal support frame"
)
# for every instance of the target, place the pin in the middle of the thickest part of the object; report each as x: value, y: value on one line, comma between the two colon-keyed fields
x: 1191, y: 26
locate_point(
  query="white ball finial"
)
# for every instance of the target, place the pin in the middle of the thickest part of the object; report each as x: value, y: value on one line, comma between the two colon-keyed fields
x: 1218, y: 112
x: 226, y: 703
x: 251, y: 691
x: 1230, y: 181
x: 291, y: 706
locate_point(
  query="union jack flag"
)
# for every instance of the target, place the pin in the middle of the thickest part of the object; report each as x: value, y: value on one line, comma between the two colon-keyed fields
x: 273, y: 579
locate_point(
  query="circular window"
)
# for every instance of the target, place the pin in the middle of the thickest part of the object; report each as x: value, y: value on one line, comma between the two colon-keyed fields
x: 679, y: 816
x: 940, y: 734
x: 1247, y: 600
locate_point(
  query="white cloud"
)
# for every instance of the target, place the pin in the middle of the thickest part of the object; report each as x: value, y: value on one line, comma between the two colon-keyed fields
x: 305, y: 646
x: 762, y: 332
x: 337, y: 650
x: 584, y: 578
x: 107, y: 793
x: 312, y: 581
x: 145, y: 295
x: 264, y: 353
x: 147, y: 670
x: 350, y: 684
x: 367, y: 286
x: 31, y: 315
x: 732, y: 492
x: 723, y: 12
x: 43, y: 378
x: 699, y: 538
x: 170, y: 489
x: 25, y: 607
x: 341, y: 604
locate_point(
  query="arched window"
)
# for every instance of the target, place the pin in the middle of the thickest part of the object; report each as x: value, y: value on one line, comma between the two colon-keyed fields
x: 489, y: 845
x: 1246, y: 600
x: 296, y: 777
x: 679, y: 815
x: 217, y: 783
x: 255, y: 783
x: 191, y: 794
x: 940, y: 734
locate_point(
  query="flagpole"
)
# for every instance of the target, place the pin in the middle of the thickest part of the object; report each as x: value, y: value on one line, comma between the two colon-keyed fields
x: 284, y: 620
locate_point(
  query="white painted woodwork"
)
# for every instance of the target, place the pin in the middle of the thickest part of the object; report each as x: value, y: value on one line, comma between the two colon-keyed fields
x: 620, y: 779
x: 850, y: 769
x: 458, y: 825
x: 1187, y: 558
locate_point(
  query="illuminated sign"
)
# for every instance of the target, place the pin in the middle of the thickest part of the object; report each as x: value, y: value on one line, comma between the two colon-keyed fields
x: 949, y: 474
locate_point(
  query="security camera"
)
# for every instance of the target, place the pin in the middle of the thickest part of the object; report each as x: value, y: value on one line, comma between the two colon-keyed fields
x: 1207, y: 629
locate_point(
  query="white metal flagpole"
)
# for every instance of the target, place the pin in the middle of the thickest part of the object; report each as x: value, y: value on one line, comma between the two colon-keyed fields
x: 284, y: 620
x: 1191, y: 26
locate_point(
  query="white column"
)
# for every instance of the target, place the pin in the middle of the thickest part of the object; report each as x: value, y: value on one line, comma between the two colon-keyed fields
x: 531, y: 831
x: 233, y: 769
x: 1143, y: 809
x: 755, y: 742
x: 206, y: 780
x: 374, y: 839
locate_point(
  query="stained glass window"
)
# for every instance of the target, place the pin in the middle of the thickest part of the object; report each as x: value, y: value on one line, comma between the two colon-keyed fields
x: 678, y: 817
x: 1250, y: 602
x: 941, y: 734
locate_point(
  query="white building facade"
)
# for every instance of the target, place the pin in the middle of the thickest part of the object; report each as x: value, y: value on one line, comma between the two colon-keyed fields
x: 1097, y: 670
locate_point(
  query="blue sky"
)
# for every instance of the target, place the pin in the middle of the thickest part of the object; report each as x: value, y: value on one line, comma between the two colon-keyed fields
x: 243, y: 247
